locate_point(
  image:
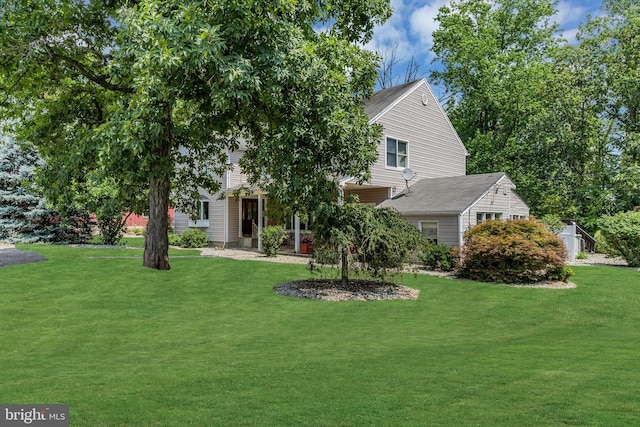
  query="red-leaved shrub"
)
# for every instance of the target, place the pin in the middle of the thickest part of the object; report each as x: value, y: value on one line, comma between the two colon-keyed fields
x: 517, y: 251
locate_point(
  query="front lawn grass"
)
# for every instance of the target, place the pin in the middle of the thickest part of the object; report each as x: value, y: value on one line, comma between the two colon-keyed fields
x: 210, y: 343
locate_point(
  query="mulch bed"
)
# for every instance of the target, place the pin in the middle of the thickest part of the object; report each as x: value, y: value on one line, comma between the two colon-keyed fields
x: 356, y: 290
x: 12, y: 256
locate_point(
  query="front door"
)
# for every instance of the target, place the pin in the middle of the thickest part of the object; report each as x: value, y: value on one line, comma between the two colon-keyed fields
x: 249, y: 216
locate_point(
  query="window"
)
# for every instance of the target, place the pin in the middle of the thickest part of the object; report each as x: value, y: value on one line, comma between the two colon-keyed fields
x: 484, y: 216
x: 201, y: 217
x: 202, y: 210
x: 397, y: 156
x: 429, y: 230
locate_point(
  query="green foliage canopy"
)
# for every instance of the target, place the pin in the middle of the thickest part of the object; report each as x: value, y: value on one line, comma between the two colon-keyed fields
x: 561, y: 120
x: 157, y: 93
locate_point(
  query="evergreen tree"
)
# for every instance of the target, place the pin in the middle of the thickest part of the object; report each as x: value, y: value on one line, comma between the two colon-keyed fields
x: 24, y: 217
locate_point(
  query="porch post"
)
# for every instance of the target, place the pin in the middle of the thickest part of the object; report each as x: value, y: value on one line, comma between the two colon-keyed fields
x: 296, y: 234
x: 240, y: 219
x: 259, y: 222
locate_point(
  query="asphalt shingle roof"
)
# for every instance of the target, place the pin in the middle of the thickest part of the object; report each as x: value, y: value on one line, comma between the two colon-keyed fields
x: 385, y: 97
x: 446, y: 195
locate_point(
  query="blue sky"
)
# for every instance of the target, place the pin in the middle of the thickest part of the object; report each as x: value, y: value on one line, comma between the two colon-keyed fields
x: 412, y: 23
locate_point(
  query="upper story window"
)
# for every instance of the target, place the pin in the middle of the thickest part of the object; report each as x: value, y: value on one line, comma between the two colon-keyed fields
x: 397, y: 154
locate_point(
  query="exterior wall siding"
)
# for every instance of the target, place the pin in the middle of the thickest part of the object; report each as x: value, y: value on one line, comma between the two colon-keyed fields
x: 447, y: 227
x: 180, y: 222
x: 215, y: 231
x: 372, y: 196
x: 234, y: 220
x: 433, y: 147
x: 493, y: 202
x: 236, y: 178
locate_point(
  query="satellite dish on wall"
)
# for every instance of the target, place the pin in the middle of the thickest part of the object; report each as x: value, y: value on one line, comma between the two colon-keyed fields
x: 408, y: 174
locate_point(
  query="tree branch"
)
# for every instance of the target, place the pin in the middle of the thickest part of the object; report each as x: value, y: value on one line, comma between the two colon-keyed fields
x: 101, y: 80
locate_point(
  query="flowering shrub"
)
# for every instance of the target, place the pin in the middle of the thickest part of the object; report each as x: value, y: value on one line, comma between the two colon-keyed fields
x: 518, y: 251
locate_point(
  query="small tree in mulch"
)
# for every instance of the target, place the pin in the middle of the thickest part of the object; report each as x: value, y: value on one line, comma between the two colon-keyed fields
x: 353, y: 235
x: 517, y: 251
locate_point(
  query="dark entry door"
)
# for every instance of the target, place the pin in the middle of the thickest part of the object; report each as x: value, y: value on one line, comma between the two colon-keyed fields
x: 249, y: 215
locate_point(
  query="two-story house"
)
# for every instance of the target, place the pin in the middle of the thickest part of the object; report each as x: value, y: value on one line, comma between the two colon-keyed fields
x: 420, y: 171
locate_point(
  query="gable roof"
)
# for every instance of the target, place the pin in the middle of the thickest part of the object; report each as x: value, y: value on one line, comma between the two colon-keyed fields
x: 385, y: 100
x: 448, y: 195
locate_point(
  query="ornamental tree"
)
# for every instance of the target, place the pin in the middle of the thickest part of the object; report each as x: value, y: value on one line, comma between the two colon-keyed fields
x: 353, y: 234
x: 160, y: 91
x: 516, y: 251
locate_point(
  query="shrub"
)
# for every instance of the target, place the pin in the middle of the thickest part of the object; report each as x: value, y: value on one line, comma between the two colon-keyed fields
x: 439, y: 257
x: 175, y: 239
x: 622, y: 233
x: 194, y: 238
x: 99, y: 239
x: 518, y: 251
x: 553, y: 223
x: 137, y: 231
x: 272, y: 237
x: 602, y: 247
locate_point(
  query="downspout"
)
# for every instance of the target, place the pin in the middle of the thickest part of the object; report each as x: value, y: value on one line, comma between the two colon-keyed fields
x: 460, y: 230
x: 226, y: 221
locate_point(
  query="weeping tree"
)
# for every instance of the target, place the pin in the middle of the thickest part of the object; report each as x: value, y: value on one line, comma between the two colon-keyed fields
x: 161, y: 91
x: 352, y: 235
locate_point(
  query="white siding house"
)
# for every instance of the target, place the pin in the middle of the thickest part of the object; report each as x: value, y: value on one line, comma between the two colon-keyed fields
x: 418, y: 136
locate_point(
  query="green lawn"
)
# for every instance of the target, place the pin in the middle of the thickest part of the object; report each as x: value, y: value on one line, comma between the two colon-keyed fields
x: 210, y: 343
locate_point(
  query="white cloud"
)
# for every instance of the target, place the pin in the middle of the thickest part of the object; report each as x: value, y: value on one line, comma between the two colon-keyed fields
x: 422, y: 22
x: 393, y: 34
x: 569, y: 14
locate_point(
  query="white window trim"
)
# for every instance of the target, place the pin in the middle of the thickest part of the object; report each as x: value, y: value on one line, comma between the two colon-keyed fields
x: 433, y: 221
x: 489, y: 216
x: 398, y: 168
x: 200, y: 222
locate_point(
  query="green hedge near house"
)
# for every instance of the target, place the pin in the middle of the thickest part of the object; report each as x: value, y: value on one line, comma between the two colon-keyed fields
x: 194, y: 238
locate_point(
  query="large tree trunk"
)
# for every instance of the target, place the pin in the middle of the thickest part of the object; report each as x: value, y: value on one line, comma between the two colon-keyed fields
x: 156, y: 244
